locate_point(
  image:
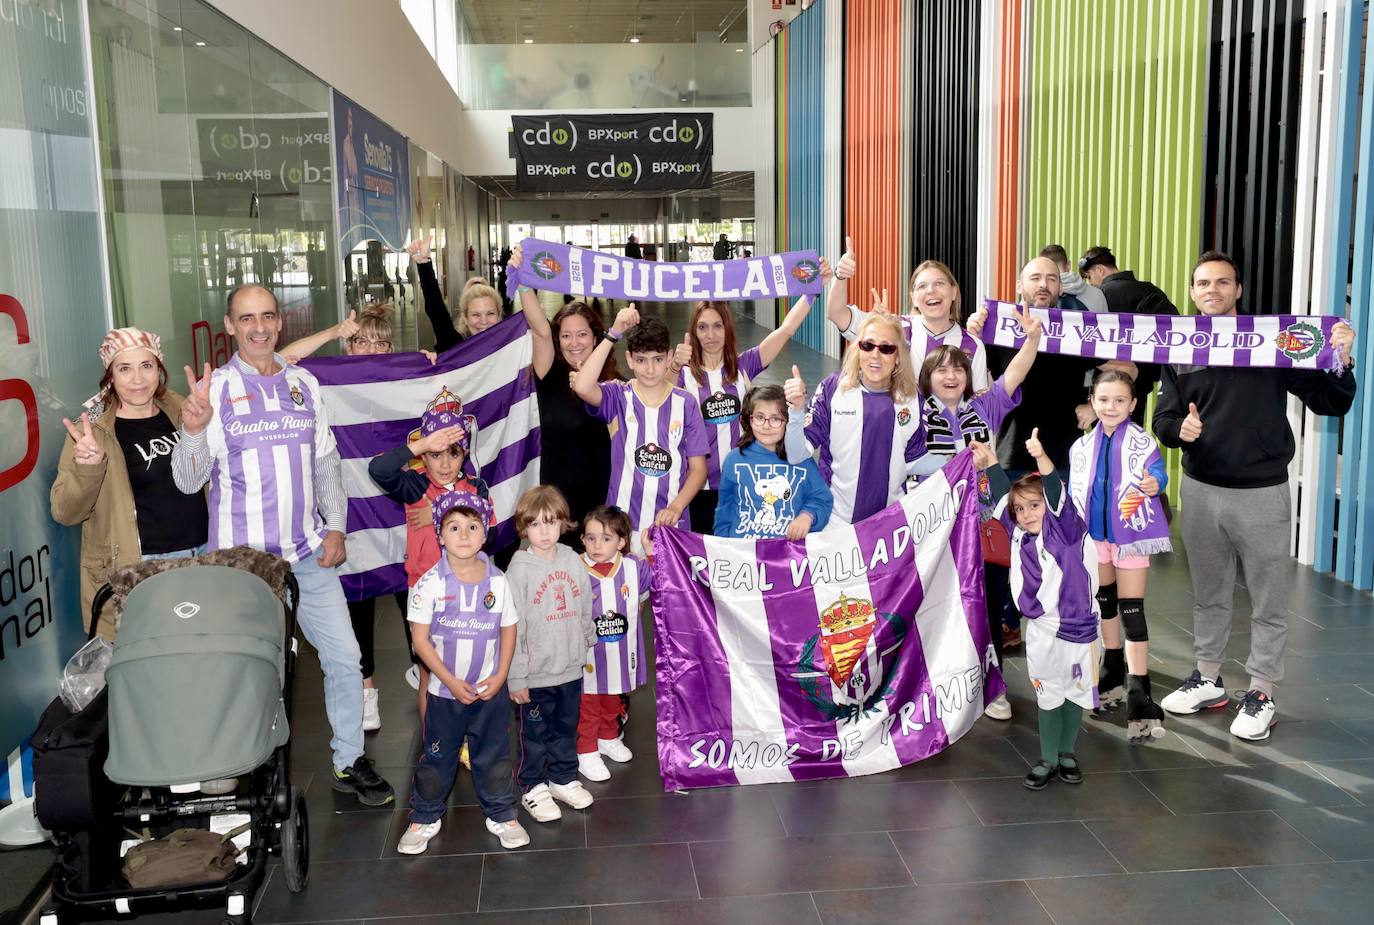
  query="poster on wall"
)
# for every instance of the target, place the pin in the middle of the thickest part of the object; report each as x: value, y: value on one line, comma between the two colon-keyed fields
x: 53, y: 313
x: 372, y: 164
x: 657, y: 151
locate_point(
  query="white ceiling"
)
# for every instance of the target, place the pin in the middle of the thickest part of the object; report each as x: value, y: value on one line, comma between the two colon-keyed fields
x: 593, y: 21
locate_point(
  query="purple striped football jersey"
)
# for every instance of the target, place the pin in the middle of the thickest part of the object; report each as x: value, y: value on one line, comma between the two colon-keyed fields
x: 721, y: 404
x: 464, y: 620
x: 615, y: 664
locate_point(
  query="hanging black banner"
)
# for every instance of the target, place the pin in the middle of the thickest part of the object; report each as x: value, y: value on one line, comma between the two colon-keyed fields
x: 659, y: 151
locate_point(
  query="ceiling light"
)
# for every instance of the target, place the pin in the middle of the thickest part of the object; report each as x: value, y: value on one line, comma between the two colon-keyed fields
x: 200, y: 44
x: 176, y: 28
x: 529, y: 41
x: 634, y: 40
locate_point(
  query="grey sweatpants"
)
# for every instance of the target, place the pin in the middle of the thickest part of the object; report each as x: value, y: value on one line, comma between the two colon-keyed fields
x: 1220, y: 525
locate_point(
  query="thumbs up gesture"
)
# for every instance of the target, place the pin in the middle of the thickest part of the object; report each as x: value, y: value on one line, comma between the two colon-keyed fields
x: 794, y: 390
x: 349, y: 326
x: 1033, y: 446
x: 848, y: 264
x: 1191, y: 428
x: 682, y: 355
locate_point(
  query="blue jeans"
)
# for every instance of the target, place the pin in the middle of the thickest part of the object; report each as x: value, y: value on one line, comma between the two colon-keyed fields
x: 323, y: 618
x: 548, y: 735
x: 179, y: 554
x: 486, y: 727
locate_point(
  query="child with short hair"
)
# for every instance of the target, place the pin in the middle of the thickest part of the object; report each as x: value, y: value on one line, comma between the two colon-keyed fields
x: 442, y: 444
x: 658, y: 438
x: 762, y: 495
x: 1115, y: 477
x: 615, y: 663
x: 1054, y: 584
x: 554, y: 596
x: 463, y: 626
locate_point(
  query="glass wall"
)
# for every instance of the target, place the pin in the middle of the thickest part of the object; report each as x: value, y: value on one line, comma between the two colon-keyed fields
x: 216, y: 158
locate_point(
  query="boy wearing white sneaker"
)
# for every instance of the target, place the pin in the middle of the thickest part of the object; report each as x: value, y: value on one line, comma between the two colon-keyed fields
x: 615, y: 662
x: 463, y: 626
x: 551, y: 589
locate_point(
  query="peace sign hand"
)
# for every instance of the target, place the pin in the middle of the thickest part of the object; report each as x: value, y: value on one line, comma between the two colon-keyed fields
x: 196, y: 411
x: 87, y: 451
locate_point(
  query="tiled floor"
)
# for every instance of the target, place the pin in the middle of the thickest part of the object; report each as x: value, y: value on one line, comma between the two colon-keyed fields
x: 1197, y: 828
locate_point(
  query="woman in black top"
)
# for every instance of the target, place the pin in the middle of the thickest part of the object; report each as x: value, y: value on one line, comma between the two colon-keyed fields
x: 575, y: 453
x: 479, y: 306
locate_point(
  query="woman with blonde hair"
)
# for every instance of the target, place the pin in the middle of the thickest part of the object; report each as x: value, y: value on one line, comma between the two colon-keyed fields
x: 931, y: 321
x: 864, y: 423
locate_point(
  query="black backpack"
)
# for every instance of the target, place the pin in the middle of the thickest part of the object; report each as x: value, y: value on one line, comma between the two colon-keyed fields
x: 69, y: 749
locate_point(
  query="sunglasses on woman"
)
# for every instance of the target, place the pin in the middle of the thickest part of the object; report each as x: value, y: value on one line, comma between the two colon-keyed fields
x: 868, y: 346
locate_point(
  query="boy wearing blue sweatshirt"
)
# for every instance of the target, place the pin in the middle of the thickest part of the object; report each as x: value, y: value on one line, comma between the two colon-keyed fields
x: 762, y: 495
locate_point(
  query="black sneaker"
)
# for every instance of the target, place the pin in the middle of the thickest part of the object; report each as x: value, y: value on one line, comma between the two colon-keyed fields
x: 1040, y: 776
x: 1069, y: 771
x: 366, y: 783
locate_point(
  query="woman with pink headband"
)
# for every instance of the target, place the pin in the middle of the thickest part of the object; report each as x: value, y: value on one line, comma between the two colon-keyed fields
x: 115, y: 474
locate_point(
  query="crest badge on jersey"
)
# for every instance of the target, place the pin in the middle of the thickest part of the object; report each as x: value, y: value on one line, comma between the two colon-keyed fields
x: 490, y: 600
x: 297, y: 395
x: 904, y: 417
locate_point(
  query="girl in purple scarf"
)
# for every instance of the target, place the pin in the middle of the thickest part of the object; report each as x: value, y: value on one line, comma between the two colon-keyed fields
x: 1115, y: 478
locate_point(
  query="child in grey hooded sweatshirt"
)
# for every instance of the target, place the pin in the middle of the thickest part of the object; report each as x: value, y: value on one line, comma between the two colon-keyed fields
x: 553, y: 594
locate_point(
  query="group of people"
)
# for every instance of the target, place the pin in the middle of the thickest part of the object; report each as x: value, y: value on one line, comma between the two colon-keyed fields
x: 689, y: 440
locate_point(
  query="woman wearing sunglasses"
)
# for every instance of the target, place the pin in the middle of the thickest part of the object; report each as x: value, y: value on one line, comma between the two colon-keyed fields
x: 864, y: 421
x: 931, y: 321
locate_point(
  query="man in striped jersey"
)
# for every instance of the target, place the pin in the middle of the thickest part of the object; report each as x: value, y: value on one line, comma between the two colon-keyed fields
x: 658, y: 438
x: 255, y: 429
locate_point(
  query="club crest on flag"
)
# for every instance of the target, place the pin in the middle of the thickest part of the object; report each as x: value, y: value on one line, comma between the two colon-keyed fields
x: 854, y: 651
x: 1300, y: 341
x: 545, y: 265
x: 806, y: 270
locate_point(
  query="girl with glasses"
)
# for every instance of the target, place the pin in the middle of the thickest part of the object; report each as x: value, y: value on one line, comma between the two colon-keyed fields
x: 864, y: 422
x: 708, y: 366
x: 931, y: 321
x: 762, y: 495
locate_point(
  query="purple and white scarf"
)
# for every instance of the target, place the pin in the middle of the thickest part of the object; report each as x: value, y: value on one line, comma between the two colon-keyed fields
x: 563, y: 268
x: 1283, y: 341
x: 1139, y: 522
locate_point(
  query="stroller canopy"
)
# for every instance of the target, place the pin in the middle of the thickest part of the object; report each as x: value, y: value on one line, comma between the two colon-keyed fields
x: 197, y: 677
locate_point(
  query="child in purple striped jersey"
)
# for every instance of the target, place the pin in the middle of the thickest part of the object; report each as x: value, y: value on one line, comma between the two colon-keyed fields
x: 658, y: 439
x: 615, y: 661
x: 1054, y: 583
x: 463, y: 625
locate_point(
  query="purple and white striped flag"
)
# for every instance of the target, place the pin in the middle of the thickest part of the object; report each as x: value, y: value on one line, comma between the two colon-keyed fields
x: 859, y: 650
x: 1288, y: 341
x: 375, y: 402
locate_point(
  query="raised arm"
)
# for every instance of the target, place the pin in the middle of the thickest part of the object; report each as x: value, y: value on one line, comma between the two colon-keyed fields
x: 585, y: 384
x: 445, y: 334
x: 1021, y: 363
x: 837, y: 299
x: 540, y: 331
x: 306, y: 346
x: 791, y: 323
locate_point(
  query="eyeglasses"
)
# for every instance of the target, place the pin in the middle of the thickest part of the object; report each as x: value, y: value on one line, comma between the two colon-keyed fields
x: 382, y: 345
x: 868, y: 346
x: 932, y: 284
x: 767, y: 420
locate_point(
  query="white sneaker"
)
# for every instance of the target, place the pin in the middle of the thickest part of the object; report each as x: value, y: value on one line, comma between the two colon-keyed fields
x: 614, y: 749
x: 592, y: 767
x: 416, y: 837
x: 512, y: 834
x: 1255, y: 717
x: 219, y: 787
x: 413, y: 677
x: 1197, y: 693
x: 539, y: 803
x: 574, y: 794
x: 999, y: 709
x: 372, y: 716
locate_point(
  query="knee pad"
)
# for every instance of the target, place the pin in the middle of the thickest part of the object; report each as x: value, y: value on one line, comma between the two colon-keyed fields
x: 429, y: 783
x: 1106, y: 601
x: 1133, y: 619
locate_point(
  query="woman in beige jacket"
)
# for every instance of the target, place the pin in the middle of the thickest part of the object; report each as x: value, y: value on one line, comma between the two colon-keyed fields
x: 114, y: 476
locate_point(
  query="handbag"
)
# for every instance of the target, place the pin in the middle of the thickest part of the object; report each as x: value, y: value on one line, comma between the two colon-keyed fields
x: 187, y: 856
x: 995, y: 542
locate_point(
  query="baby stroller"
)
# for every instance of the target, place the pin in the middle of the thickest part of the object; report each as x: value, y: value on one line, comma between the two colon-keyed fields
x: 198, y: 690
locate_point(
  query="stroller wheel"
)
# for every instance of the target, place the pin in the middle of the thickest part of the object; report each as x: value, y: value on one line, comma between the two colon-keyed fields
x: 295, y: 844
